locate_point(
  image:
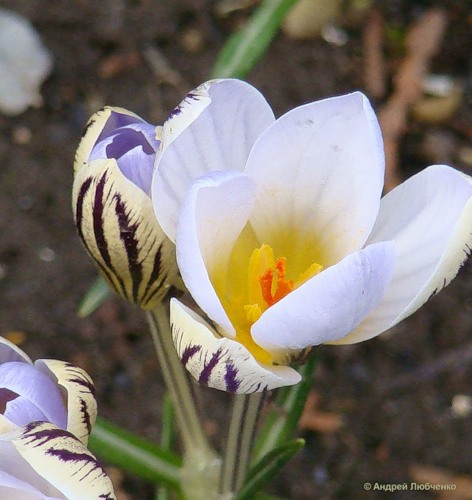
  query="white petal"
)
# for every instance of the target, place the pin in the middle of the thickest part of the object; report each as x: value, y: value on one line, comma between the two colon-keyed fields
x: 10, y: 352
x: 80, y: 400
x: 320, y: 168
x: 12, y: 488
x: 216, y: 127
x: 222, y: 363
x: 213, y: 215
x: 330, y: 305
x: 58, y: 457
x: 430, y: 219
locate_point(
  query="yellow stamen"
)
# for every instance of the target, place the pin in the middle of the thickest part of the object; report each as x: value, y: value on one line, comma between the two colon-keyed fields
x: 247, y: 292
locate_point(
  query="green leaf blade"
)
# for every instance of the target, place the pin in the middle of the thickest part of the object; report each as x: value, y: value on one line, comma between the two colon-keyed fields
x: 244, y: 48
x: 281, y: 422
x: 93, y: 298
x: 135, y: 455
x: 268, y: 467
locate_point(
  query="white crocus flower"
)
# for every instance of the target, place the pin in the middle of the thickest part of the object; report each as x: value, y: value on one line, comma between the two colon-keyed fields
x: 282, y: 237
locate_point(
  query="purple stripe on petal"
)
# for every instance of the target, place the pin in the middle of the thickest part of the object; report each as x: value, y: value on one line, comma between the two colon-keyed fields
x: 125, y: 140
x: 38, y: 437
x: 189, y: 352
x: 80, y: 205
x: 5, y: 396
x: 130, y: 242
x: 156, y: 272
x: 231, y: 380
x: 98, y: 229
x: 206, y: 372
x: 115, y: 121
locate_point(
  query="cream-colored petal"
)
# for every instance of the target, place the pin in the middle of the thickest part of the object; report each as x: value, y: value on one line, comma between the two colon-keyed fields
x: 220, y: 362
x: 55, y: 456
x: 6, y: 425
x: 79, y: 395
x: 116, y: 222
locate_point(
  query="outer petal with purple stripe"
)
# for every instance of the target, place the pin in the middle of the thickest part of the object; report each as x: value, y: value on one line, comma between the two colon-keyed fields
x: 40, y: 457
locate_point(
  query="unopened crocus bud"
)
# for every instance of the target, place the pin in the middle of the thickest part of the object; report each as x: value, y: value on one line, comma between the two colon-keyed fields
x: 112, y: 209
x: 47, y: 410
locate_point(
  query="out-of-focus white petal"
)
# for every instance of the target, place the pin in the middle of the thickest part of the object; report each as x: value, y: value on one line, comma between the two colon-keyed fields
x: 79, y: 397
x: 213, y: 129
x: 24, y: 63
x: 10, y: 352
x: 330, y: 305
x: 429, y: 217
x: 212, y: 217
x: 222, y: 363
x: 320, y: 169
x: 56, y: 456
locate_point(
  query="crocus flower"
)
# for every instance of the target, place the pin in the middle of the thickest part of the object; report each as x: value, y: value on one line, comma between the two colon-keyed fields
x: 112, y: 209
x: 282, y: 237
x: 47, y: 410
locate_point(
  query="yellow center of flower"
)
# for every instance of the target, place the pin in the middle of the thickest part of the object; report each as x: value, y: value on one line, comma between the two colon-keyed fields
x: 251, y: 289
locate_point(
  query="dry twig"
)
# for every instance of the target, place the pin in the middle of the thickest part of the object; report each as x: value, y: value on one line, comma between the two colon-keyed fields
x: 374, y: 62
x: 422, y: 42
x: 163, y: 71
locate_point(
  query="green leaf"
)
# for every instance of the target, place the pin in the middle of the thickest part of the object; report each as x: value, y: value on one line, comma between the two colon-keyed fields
x: 135, y: 455
x: 244, y: 48
x: 282, y: 421
x: 268, y: 467
x: 93, y: 298
x: 167, y: 430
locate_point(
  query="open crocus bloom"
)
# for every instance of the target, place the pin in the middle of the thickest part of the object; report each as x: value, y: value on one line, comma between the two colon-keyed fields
x: 47, y: 410
x: 113, y: 211
x: 282, y: 237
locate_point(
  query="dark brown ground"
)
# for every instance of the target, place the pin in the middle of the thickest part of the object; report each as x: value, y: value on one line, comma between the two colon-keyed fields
x: 394, y: 393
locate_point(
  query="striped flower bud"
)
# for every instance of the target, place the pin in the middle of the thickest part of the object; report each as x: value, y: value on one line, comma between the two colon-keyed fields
x: 113, y: 211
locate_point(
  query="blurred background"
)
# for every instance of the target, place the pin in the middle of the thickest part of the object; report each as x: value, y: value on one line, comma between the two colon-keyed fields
x: 393, y: 410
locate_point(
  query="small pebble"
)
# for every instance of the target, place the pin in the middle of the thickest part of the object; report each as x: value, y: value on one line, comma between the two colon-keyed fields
x: 46, y: 254
x: 461, y: 405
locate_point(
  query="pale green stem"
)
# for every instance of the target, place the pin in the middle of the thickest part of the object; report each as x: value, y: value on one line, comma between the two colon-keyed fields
x: 239, y: 443
x: 201, y: 465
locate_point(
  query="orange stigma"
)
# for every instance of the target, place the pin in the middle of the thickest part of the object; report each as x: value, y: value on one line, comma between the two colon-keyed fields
x: 274, y: 285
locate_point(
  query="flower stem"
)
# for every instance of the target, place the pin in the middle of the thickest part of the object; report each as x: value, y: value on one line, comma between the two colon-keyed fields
x: 241, y: 433
x: 201, y: 465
